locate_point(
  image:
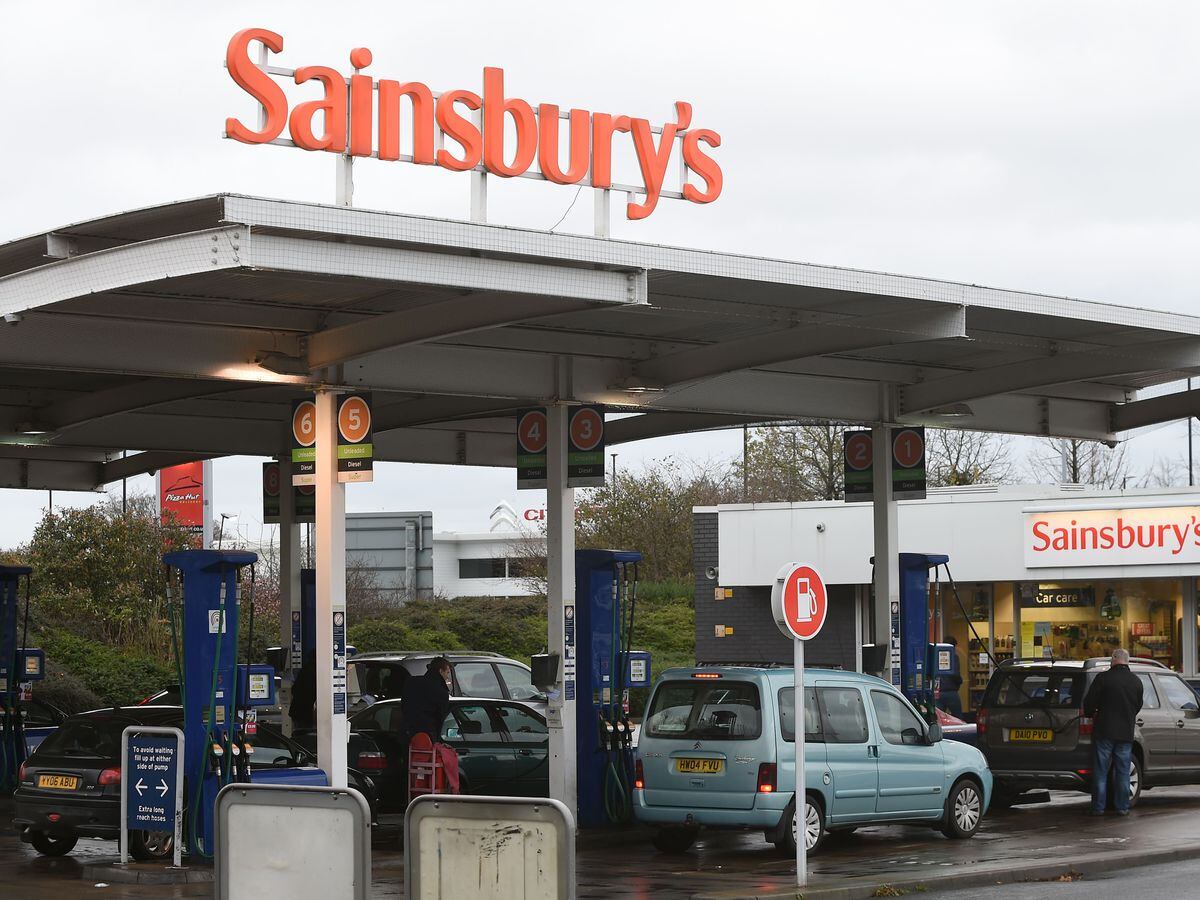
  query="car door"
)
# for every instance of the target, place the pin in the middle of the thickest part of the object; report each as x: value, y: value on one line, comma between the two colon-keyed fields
x: 1157, y: 726
x: 485, y: 757
x: 849, y: 752
x: 530, y: 739
x: 911, y: 771
x: 1180, y: 702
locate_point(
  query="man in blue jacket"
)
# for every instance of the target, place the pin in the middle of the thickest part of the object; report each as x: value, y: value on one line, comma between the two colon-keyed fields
x: 1113, y: 701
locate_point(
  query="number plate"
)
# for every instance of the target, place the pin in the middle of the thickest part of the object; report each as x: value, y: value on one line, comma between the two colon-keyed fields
x: 699, y: 766
x: 58, y: 782
x: 1036, y: 735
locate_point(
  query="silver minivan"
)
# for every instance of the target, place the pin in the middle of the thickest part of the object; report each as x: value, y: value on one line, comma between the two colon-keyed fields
x: 717, y: 750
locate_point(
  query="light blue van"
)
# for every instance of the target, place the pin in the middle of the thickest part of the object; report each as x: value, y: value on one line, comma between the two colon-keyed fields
x: 717, y: 750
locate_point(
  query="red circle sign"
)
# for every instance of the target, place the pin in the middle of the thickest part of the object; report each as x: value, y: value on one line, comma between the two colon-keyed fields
x: 304, y: 424
x: 799, y: 601
x: 908, y: 447
x: 587, y: 428
x: 531, y: 431
x: 858, y: 451
x: 354, y: 419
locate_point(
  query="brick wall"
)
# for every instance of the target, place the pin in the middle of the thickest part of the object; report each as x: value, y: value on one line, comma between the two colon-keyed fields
x: 755, y: 637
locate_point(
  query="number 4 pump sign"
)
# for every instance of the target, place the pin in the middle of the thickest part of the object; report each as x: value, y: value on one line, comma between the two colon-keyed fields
x: 363, y: 117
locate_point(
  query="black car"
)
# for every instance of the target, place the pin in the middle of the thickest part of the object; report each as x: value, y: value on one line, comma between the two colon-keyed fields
x: 1034, y: 733
x: 381, y: 676
x: 502, y: 749
x: 70, y: 787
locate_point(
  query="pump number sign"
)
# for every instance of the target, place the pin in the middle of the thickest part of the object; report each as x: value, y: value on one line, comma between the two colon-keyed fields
x: 532, y: 432
x: 355, y: 452
x: 585, y: 448
x: 304, y: 442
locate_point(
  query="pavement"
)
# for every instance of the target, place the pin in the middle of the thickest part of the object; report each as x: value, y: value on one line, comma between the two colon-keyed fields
x: 1042, y: 847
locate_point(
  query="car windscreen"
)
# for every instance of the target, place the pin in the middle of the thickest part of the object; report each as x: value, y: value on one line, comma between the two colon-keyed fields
x: 705, y: 709
x: 1037, y: 687
x: 383, y: 681
x: 93, y: 737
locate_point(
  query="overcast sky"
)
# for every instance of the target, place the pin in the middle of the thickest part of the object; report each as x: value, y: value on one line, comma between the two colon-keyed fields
x: 1045, y: 146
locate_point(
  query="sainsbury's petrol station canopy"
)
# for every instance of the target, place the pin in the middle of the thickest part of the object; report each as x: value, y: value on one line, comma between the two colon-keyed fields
x: 185, y: 330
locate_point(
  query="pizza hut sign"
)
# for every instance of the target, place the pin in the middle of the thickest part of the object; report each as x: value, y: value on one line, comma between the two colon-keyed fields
x: 1112, y: 537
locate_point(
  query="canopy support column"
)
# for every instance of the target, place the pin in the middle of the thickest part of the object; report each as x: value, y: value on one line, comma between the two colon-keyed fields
x: 289, y: 582
x: 887, y: 551
x: 560, y: 600
x: 330, y: 560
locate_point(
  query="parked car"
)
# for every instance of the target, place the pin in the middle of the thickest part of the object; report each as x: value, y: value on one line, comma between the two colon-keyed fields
x: 170, y: 696
x: 717, y: 750
x: 381, y: 676
x: 70, y: 787
x: 502, y: 748
x: 39, y: 721
x: 1034, y: 733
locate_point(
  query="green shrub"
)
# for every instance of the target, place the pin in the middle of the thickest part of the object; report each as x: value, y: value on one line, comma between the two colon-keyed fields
x: 116, y: 677
x: 62, y: 689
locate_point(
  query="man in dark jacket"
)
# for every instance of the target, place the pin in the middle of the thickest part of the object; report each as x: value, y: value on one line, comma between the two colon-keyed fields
x: 1113, y: 701
x: 425, y: 700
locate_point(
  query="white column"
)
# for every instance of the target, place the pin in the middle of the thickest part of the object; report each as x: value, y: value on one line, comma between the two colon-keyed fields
x: 330, y: 562
x: 560, y: 597
x: 887, y: 540
x: 1188, y: 627
x: 289, y: 581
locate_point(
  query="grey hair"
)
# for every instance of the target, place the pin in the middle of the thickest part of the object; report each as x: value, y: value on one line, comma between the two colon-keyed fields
x: 1120, y: 657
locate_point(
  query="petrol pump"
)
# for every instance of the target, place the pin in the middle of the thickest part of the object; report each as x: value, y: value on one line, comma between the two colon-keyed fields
x: 19, y: 668
x: 606, y: 584
x: 219, y: 694
x: 922, y: 659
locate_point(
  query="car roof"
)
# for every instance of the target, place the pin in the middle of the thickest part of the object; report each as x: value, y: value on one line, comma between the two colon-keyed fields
x: 1094, y: 663
x: 414, y: 654
x: 778, y: 675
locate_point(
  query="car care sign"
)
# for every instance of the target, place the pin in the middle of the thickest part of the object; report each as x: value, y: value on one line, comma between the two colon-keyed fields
x: 532, y: 433
x: 585, y: 447
x: 355, y: 451
x: 799, y: 604
x: 304, y: 442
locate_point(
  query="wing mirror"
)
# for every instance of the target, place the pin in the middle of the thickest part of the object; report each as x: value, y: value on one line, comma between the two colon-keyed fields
x: 1191, y: 712
x: 934, y: 734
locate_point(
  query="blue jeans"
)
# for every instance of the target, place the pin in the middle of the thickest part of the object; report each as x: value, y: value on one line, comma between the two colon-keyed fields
x: 1111, y: 755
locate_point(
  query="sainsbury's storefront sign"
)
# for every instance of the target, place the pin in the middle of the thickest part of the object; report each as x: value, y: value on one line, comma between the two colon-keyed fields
x: 1113, y: 537
x: 360, y: 117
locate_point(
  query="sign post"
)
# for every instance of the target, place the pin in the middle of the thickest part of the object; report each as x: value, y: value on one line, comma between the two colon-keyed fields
x: 799, y: 604
x: 151, y: 784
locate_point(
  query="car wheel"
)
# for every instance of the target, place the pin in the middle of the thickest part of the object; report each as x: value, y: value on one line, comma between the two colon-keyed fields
x: 964, y: 810
x: 814, y: 830
x: 151, y: 845
x: 47, y: 845
x: 675, y: 840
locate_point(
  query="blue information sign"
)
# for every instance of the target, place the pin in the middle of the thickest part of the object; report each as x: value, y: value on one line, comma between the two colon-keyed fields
x: 339, y: 663
x: 151, y: 769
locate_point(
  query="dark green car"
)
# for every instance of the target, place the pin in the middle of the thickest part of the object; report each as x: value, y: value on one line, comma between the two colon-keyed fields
x: 502, y: 746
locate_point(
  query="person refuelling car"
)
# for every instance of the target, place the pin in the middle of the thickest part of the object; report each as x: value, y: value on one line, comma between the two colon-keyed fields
x: 426, y: 704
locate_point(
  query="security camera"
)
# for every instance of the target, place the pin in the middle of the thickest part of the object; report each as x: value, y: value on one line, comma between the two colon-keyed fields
x: 12, y: 318
x: 820, y: 528
x: 711, y: 573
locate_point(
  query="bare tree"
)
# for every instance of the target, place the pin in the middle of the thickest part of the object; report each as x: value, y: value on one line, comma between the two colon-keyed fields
x: 955, y: 457
x: 1074, y: 461
x: 1166, y: 471
x: 791, y: 462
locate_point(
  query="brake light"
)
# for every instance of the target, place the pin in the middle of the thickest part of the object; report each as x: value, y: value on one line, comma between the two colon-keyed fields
x: 766, y: 778
x: 981, y: 718
x: 109, y: 776
x: 372, y: 761
x: 639, y: 776
x: 706, y: 674
x: 21, y: 773
x: 1086, y: 723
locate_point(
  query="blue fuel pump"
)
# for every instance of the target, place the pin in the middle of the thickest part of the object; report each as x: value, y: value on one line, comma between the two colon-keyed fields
x: 19, y: 666
x: 219, y: 695
x: 606, y: 606
x: 921, y: 661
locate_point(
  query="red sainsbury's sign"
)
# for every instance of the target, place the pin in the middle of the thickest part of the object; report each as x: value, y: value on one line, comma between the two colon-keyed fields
x: 1112, y: 537
x: 362, y: 117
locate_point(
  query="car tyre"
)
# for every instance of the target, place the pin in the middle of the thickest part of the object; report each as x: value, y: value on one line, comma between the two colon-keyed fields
x: 814, y: 832
x: 964, y: 810
x: 675, y: 840
x: 148, y: 846
x: 48, y: 845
